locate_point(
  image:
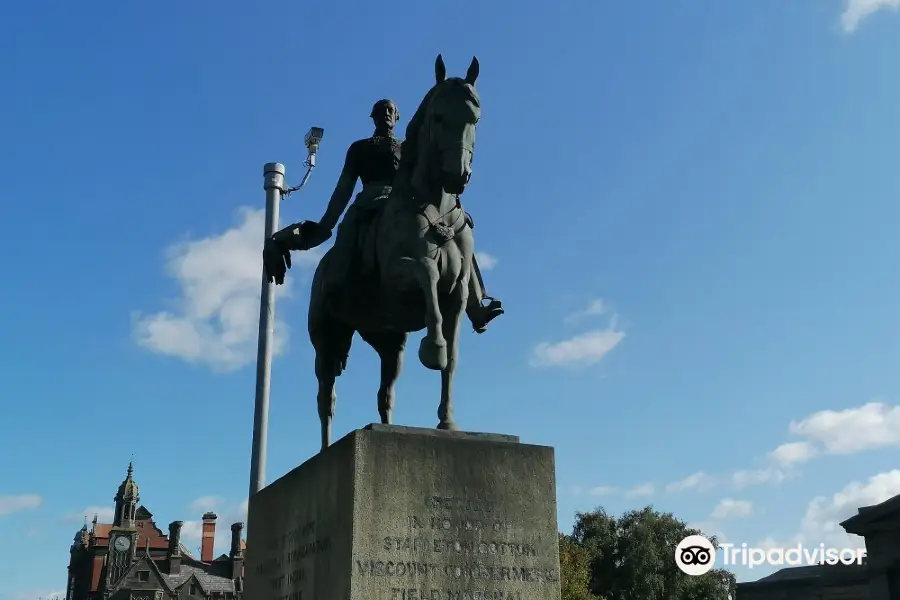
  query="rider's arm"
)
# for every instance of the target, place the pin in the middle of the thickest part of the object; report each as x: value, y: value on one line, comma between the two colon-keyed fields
x: 343, y: 191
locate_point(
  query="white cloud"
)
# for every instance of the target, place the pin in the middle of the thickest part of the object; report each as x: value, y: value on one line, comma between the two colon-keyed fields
x: 206, y: 503
x: 215, y: 320
x: 773, y: 543
x: 821, y: 523
x: 486, y: 261
x: 728, y: 508
x: 104, y: 514
x: 601, y: 490
x: 856, y: 11
x: 191, y: 531
x: 594, y: 308
x: 45, y: 594
x: 748, y: 477
x: 793, y: 453
x: 867, y: 427
x: 870, y: 426
x: 699, y: 481
x: 645, y: 489
x: 581, y: 350
x: 709, y: 528
x: 16, y: 503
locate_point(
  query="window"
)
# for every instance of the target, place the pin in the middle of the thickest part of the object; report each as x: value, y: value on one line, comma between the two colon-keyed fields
x: 195, y: 589
x: 143, y: 575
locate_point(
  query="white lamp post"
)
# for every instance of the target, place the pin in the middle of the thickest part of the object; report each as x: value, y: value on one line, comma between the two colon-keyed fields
x: 273, y: 177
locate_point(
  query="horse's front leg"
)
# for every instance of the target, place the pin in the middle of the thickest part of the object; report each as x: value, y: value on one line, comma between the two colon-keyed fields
x: 433, y: 347
x: 453, y: 308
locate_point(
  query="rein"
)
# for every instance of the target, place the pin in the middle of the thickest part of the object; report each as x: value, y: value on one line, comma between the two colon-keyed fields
x: 443, y: 233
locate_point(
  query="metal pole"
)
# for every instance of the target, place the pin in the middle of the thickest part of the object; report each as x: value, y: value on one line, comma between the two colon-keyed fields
x: 273, y: 174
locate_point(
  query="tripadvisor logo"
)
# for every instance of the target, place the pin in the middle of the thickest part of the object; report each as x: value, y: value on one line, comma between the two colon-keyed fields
x: 695, y: 555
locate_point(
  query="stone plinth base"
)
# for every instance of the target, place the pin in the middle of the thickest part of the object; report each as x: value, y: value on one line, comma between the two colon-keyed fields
x: 400, y: 513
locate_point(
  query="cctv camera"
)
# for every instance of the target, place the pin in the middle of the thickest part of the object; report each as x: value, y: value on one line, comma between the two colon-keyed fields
x: 314, y: 138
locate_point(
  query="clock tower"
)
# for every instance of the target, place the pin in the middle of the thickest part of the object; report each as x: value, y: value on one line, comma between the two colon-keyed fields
x: 123, y: 533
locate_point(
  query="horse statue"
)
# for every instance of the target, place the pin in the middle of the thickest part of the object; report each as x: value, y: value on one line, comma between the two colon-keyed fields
x: 415, y: 260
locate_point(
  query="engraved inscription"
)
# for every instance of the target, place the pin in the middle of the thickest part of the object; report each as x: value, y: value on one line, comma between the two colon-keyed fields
x: 415, y: 522
x: 285, y: 566
x: 417, y: 594
x: 470, y: 571
x: 487, y: 547
x: 467, y: 546
x: 459, y: 503
x: 444, y: 523
x: 457, y: 546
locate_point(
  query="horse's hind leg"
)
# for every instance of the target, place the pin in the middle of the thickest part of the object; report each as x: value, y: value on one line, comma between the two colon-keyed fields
x: 390, y: 347
x: 453, y: 307
x: 332, y: 346
x: 326, y: 398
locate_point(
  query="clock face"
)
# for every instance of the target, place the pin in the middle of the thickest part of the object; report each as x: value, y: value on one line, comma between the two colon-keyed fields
x: 122, y: 543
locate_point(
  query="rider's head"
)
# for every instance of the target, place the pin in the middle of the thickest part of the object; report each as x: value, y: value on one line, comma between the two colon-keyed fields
x: 385, y: 114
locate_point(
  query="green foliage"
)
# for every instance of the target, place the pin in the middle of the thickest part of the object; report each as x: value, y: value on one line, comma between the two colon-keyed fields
x: 632, y: 557
x: 575, y: 570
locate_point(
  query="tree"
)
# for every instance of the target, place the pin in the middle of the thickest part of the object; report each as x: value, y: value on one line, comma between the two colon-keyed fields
x: 632, y: 557
x: 575, y: 570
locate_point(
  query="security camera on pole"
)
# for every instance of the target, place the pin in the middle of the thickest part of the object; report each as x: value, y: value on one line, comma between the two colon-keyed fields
x: 273, y: 174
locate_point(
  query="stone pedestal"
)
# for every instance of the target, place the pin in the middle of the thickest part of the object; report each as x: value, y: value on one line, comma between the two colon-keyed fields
x: 399, y: 513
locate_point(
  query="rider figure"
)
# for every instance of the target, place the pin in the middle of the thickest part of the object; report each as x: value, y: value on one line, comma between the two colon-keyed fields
x: 375, y: 161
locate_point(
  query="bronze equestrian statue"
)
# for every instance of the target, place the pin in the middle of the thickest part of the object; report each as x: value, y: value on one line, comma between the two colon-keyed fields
x: 375, y: 161
x: 403, y: 259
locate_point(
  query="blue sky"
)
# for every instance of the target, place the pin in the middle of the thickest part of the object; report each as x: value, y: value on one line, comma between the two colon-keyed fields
x: 691, y: 207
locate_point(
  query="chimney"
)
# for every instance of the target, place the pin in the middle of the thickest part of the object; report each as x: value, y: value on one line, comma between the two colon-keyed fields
x: 207, y: 545
x: 174, y: 553
x: 237, y: 555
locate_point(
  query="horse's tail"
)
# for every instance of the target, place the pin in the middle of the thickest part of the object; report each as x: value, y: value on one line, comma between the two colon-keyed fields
x: 330, y: 337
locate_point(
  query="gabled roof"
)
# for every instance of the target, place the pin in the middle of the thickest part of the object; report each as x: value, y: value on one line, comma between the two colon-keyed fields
x: 101, y: 530
x: 146, y: 529
x: 867, y: 516
x: 205, y: 576
x: 191, y: 579
x: 810, y: 575
x: 148, y: 565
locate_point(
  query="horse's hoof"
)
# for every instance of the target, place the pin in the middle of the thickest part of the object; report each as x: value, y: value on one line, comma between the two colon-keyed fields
x: 448, y: 426
x: 433, y: 356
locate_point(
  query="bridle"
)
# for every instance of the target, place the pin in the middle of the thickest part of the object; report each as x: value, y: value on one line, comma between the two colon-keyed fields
x: 432, y: 156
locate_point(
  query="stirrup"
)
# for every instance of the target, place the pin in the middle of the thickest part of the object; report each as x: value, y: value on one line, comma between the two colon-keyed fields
x: 493, y: 309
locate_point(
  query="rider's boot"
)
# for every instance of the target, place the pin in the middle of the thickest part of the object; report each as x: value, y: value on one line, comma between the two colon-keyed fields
x: 479, y: 313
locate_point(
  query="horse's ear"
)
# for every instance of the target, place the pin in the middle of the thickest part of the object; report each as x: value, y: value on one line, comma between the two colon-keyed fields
x: 440, y: 70
x: 472, y: 73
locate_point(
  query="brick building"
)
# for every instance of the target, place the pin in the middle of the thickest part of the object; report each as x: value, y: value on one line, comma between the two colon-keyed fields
x: 131, y: 559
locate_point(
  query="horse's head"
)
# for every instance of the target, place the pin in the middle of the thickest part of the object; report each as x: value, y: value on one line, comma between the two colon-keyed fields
x: 445, y: 130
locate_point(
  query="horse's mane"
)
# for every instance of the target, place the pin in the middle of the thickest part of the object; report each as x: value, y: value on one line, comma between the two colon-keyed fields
x: 410, y: 149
